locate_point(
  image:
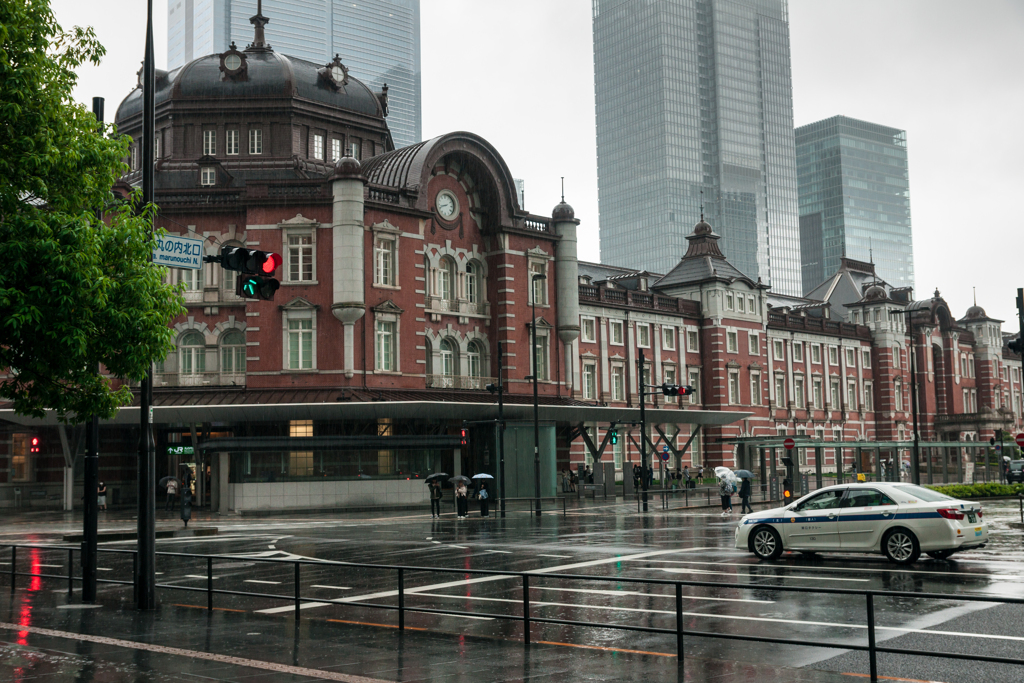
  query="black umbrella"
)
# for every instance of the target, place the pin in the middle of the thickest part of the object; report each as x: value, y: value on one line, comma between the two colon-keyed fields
x: 163, y: 482
x: 744, y: 474
x: 461, y: 478
x: 436, y: 476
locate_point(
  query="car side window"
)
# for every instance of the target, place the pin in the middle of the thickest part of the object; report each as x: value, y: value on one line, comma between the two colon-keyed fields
x: 866, y: 498
x: 823, y: 501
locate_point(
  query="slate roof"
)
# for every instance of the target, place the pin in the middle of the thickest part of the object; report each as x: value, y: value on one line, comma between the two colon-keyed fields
x: 703, y: 261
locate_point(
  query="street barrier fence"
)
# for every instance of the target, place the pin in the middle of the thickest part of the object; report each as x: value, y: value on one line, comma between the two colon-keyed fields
x: 528, y: 617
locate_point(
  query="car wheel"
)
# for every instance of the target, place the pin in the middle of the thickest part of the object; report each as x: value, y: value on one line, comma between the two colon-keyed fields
x: 941, y: 554
x: 766, y: 543
x: 901, y: 546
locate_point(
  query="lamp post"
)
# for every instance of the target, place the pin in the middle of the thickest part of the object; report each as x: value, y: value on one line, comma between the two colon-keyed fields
x: 915, y: 474
x: 500, y: 388
x: 536, y: 373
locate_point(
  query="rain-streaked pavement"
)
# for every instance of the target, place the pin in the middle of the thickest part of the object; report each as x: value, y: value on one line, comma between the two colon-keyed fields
x: 257, y: 638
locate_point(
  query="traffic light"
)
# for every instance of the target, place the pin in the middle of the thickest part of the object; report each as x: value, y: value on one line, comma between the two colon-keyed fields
x: 614, y: 436
x: 257, y: 267
x: 1017, y: 346
x: 34, y: 445
x: 676, y: 390
x: 256, y: 287
x: 464, y: 437
x: 787, y: 491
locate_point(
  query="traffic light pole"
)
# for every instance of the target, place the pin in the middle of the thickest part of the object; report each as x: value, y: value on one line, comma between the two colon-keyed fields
x: 501, y: 431
x: 643, y: 429
x: 145, y: 579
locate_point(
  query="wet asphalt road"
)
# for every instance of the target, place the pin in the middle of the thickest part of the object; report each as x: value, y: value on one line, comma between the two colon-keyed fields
x: 605, y: 541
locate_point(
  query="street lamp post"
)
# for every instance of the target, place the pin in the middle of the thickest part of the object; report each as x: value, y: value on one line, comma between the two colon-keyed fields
x: 915, y: 474
x: 500, y: 388
x: 536, y: 373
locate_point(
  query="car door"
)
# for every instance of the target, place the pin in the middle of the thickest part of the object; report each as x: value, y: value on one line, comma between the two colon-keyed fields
x: 813, y: 524
x: 863, y: 516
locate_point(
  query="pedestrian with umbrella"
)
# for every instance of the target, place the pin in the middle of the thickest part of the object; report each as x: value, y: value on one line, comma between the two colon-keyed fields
x: 171, y: 484
x: 745, y: 477
x: 461, y: 496
x: 484, y: 495
x: 434, y: 482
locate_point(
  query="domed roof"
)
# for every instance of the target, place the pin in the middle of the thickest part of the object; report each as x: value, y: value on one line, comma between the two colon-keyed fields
x: 562, y: 212
x: 875, y: 292
x: 268, y: 74
x: 975, y: 312
x: 702, y: 227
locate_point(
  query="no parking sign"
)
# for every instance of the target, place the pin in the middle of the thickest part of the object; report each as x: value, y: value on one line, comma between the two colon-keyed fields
x: 664, y: 453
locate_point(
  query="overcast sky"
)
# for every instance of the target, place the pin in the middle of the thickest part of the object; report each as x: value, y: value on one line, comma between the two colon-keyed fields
x: 520, y: 74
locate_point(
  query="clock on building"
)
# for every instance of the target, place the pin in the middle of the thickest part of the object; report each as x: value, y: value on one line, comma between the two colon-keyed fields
x: 446, y: 204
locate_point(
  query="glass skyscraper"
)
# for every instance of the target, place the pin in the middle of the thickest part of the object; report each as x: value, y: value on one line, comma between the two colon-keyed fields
x: 378, y: 40
x: 854, y: 187
x: 695, y: 105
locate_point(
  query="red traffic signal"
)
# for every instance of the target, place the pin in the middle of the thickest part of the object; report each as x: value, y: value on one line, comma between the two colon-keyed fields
x: 463, y: 439
x: 676, y: 390
x: 34, y: 445
x: 250, y: 261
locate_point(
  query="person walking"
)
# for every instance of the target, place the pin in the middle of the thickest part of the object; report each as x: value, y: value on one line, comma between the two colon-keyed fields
x: 101, y: 496
x: 725, y: 491
x: 461, y: 500
x: 572, y: 481
x: 172, y: 491
x: 637, y: 473
x: 485, y: 500
x: 686, y: 476
x: 435, y: 499
x: 745, y: 497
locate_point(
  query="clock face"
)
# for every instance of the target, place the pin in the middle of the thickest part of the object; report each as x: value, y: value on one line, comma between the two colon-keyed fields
x: 338, y: 74
x: 446, y: 204
x: 232, y: 62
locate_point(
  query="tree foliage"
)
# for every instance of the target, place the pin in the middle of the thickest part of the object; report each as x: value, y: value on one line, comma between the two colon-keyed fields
x: 76, y: 291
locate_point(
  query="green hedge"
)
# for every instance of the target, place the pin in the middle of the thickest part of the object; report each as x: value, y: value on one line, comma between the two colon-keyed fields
x: 979, y: 490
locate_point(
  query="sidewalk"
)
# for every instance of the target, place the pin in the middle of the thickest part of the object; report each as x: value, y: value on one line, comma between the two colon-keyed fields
x: 42, y: 638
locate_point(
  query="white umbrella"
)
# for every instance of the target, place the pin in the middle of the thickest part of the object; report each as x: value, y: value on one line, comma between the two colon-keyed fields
x: 482, y: 476
x: 723, y: 472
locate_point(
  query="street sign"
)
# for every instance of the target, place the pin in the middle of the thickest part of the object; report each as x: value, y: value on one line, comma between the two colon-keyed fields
x: 179, y: 252
x: 664, y: 453
x: 789, y: 443
x: 1020, y: 440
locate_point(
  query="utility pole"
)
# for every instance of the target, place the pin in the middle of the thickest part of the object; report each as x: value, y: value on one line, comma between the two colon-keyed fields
x: 643, y: 428
x: 501, y: 428
x: 536, y: 277
x: 145, y: 578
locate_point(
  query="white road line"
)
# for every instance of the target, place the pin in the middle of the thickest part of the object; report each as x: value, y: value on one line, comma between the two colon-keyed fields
x: 649, y: 595
x: 1017, y: 577
x: 503, y: 552
x: 560, y: 557
x: 538, y: 603
x: 49, y: 565
x: 437, y: 542
x: 108, y: 569
x: 197, y: 576
x: 272, y: 583
x: 460, y: 547
x: 673, y: 570
x: 504, y: 577
x: 340, y: 588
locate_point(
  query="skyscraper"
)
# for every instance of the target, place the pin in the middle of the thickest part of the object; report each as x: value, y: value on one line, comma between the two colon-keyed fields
x: 378, y: 40
x: 854, y: 199
x: 695, y: 105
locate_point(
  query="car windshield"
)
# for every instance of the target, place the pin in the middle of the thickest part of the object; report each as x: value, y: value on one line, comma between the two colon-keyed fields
x: 921, y: 493
x: 1017, y: 465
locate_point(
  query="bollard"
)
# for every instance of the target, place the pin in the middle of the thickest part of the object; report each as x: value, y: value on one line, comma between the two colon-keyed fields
x: 871, y: 638
x: 679, y: 625
x: 71, y: 572
x: 297, y: 601
x: 526, y: 609
x: 14, y: 562
x: 209, y: 584
x: 401, y: 599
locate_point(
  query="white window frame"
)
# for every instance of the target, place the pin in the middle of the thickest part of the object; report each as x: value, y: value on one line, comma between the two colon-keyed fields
x: 300, y: 250
x: 588, y: 329
x: 865, y: 358
x: 235, y: 352
x: 538, y: 288
x: 355, y: 148
x: 335, y: 149
x: 613, y: 326
x: 589, y: 381
x: 835, y: 393
x: 755, y: 389
x: 299, y: 315
x: 255, y: 141
x: 618, y: 382
x: 779, y: 349
x: 543, y: 354
x: 817, y: 393
x: 231, y: 142
x: 898, y: 394
x: 869, y: 398
x: 753, y: 343
x: 209, y: 143
x: 693, y: 380
x: 385, y: 259
x: 671, y: 377
x: 192, y: 355
x: 668, y: 337
x: 851, y: 357
x: 318, y: 146
x: 735, y: 397
x: 798, y: 352
x: 799, y: 395
x: 816, y: 354
x: 643, y: 335
x: 385, y: 344
x: 780, y: 389
x: 833, y: 355
x: 732, y: 341
x: 692, y: 341
x: 729, y: 301
x: 207, y: 176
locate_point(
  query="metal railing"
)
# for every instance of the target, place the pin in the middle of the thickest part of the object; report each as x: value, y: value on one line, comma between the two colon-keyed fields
x: 527, y: 617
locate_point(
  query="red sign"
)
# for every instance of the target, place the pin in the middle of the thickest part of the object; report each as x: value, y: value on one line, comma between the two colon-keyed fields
x: 1020, y: 440
x: 789, y: 443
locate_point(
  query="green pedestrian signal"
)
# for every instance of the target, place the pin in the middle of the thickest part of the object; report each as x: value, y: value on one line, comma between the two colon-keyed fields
x: 615, y: 436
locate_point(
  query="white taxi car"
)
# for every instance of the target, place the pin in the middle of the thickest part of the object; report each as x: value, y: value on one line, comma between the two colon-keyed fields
x: 899, y: 520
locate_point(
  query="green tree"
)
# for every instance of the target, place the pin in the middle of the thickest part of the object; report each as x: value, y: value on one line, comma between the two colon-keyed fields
x: 76, y: 292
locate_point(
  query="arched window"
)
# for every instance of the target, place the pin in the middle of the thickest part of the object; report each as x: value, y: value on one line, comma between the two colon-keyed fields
x: 232, y: 353
x: 446, y: 280
x: 474, y: 358
x: 449, y: 358
x: 430, y: 357
x: 192, y: 354
x: 472, y: 282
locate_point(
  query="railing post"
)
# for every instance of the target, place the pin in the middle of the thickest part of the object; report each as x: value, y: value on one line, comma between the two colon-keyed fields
x: 401, y: 599
x: 14, y: 562
x: 135, y: 576
x: 209, y: 584
x: 679, y: 624
x: 526, y: 608
x: 563, y: 506
x: 871, y: 638
x: 71, y: 572
x: 297, y: 565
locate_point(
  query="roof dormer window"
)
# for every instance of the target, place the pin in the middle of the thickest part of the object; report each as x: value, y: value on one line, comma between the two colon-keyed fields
x: 208, y: 176
x: 233, y: 65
